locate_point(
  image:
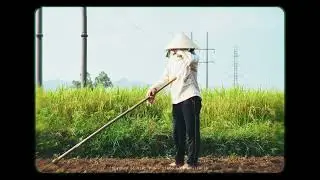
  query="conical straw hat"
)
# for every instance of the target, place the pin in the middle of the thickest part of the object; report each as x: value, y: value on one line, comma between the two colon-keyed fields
x: 181, y: 41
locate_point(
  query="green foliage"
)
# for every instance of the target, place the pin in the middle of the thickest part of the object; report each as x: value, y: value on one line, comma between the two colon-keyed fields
x: 101, y: 80
x: 233, y: 121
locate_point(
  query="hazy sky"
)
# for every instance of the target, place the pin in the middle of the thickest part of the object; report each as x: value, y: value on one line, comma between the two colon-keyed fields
x: 128, y: 42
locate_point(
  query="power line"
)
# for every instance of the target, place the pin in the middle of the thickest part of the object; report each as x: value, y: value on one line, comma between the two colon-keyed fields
x: 136, y: 26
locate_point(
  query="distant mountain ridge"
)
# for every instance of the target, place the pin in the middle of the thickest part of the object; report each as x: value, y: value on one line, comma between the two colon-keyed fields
x: 123, y: 82
x: 54, y: 84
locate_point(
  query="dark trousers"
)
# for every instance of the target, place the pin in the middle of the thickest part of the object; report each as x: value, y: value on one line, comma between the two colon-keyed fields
x: 186, y: 129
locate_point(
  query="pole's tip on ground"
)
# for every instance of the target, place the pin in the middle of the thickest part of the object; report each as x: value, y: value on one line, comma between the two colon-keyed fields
x: 54, y: 161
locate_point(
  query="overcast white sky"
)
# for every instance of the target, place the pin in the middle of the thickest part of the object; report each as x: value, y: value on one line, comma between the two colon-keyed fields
x: 129, y: 42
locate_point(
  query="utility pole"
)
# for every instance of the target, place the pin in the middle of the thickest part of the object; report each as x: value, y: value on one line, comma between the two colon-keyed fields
x: 207, y: 61
x: 235, y: 66
x: 84, y: 36
x: 207, y: 58
x: 39, y: 48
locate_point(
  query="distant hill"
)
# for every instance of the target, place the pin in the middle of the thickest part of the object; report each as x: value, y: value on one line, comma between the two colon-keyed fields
x: 123, y: 82
x: 54, y: 84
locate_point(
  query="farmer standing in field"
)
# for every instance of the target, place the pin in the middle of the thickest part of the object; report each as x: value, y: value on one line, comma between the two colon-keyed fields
x: 186, y: 98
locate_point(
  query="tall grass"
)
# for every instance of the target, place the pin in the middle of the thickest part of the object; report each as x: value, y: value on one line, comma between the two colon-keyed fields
x: 233, y: 121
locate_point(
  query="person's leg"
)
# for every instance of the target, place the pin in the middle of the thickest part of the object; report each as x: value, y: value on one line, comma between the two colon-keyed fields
x: 179, y: 133
x: 191, y: 113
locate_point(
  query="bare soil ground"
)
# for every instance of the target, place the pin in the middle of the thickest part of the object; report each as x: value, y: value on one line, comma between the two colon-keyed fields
x: 160, y: 165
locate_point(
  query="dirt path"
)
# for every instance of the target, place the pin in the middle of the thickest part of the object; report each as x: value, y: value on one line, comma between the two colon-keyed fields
x: 160, y: 165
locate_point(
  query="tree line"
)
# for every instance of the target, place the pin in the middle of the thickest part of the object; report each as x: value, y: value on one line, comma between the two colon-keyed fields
x: 101, y: 80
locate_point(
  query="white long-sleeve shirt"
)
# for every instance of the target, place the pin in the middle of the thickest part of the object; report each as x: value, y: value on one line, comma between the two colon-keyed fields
x: 185, y: 69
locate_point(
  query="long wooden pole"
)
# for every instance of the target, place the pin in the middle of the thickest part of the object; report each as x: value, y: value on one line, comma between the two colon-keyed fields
x: 109, y: 123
